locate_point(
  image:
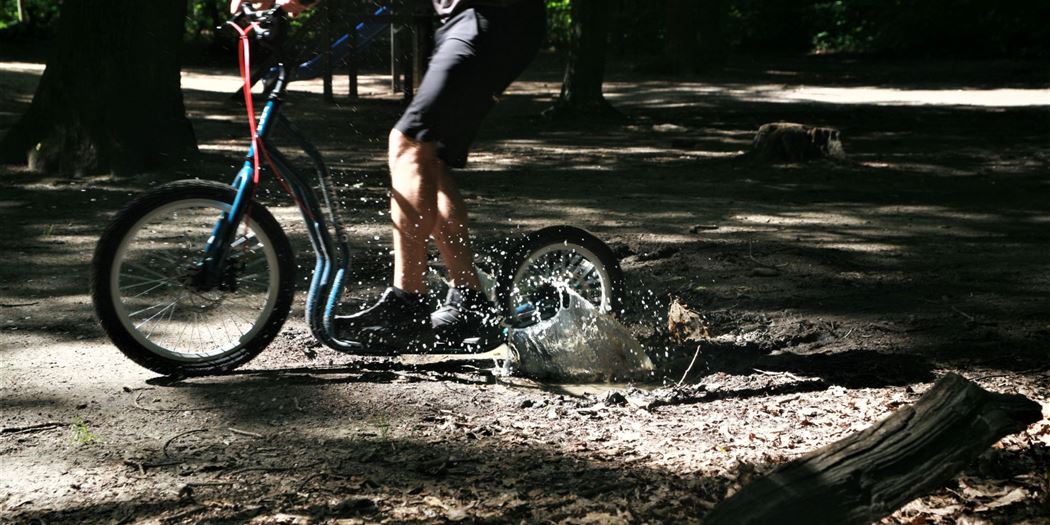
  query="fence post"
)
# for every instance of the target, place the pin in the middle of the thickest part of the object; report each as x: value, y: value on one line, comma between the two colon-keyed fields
x: 326, y: 41
x: 395, y: 58
x: 351, y: 62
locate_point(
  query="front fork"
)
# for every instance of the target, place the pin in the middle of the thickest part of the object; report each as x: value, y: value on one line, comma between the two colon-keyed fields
x: 210, y: 268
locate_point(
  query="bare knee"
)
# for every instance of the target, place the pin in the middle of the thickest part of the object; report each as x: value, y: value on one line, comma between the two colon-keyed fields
x: 403, y: 151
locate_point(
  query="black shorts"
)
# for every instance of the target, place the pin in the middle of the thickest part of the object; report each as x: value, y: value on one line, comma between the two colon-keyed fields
x: 477, y: 54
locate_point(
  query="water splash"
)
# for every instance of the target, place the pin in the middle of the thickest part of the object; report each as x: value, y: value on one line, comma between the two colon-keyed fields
x: 579, y: 343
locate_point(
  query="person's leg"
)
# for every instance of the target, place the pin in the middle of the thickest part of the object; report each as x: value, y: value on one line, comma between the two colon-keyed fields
x: 452, y: 236
x: 434, y: 134
x: 510, y: 39
x: 502, y: 56
x: 401, y: 317
x: 425, y: 142
x: 415, y: 172
x: 426, y: 199
x: 467, y: 317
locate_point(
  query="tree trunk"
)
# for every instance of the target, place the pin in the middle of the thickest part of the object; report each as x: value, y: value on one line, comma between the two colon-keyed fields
x: 681, y: 48
x: 110, y: 98
x: 581, y: 89
x: 869, y: 474
x: 712, y: 19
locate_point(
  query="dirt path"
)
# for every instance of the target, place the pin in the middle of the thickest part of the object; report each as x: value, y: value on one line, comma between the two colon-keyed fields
x: 834, y: 293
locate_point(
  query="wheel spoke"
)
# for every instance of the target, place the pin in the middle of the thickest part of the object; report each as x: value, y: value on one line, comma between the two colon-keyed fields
x: 167, y: 258
x: 143, y: 283
x: 145, y: 270
x: 560, y: 264
x: 228, y: 309
x: 248, y: 277
x: 239, y: 316
x: 148, y: 308
x: 140, y: 294
x: 159, y: 312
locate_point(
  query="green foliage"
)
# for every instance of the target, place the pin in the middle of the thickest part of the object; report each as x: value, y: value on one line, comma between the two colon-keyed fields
x: 8, y: 13
x: 559, y: 22
x: 38, y: 14
x: 203, y: 16
x: 965, y: 28
x: 840, y: 32
x: 81, y: 433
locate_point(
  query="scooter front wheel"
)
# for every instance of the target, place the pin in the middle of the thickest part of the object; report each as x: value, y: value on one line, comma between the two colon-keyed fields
x: 149, y: 302
x: 551, y: 260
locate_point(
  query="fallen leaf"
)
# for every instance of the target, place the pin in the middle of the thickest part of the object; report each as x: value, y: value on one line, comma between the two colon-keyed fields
x: 685, y: 324
x: 1010, y: 498
x: 458, y: 514
x: 434, y: 502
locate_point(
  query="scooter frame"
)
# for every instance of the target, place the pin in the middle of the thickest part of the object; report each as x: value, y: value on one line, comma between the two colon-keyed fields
x: 327, y: 234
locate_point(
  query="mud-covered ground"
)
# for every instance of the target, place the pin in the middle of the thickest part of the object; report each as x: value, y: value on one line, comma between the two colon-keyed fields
x: 833, y: 294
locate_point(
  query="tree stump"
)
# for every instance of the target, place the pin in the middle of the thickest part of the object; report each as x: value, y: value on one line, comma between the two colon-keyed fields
x: 791, y: 142
x: 869, y: 474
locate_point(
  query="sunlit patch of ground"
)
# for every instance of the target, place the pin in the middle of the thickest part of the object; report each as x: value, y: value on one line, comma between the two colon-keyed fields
x: 674, y: 94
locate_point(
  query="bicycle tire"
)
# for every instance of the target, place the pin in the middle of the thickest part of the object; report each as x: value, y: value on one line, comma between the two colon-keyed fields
x: 263, y: 240
x: 575, y: 249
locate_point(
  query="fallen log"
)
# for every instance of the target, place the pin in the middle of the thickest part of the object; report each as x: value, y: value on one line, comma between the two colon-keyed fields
x: 869, y: 474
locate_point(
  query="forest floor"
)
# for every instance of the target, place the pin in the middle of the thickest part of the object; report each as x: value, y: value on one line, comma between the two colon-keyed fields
x: 834, y: 293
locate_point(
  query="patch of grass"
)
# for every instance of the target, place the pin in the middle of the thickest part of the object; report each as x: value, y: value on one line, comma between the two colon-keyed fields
x: 383, y: 425
x: 82, y: 434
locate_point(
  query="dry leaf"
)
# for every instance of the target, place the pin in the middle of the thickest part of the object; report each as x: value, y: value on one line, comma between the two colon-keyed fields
x: 434, y: 502
x: 685, y: 324
x: 1010, y: 498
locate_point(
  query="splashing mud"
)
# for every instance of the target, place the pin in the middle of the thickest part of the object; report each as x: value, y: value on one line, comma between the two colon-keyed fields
x: 578, y: 344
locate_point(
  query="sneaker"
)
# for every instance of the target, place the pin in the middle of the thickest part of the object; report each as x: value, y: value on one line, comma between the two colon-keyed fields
x: 467, y: 319
x: 399, y: 320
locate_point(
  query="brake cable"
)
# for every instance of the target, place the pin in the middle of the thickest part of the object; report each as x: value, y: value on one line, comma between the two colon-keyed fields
x: 244, y: 61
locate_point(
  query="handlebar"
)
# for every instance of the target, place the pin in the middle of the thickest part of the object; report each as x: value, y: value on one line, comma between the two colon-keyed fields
x: 246, y: 12
x: 271, y: 24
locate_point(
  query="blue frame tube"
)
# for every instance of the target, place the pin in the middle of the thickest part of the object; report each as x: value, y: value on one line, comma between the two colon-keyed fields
x: 332, y: 255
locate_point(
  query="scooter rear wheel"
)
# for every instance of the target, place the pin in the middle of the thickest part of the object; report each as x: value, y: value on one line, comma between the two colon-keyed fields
x: 553, y: 259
